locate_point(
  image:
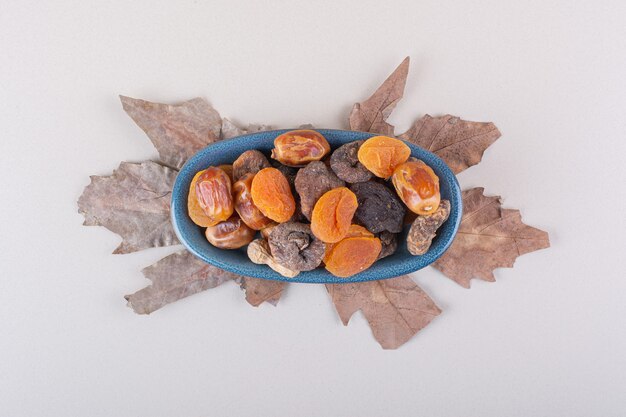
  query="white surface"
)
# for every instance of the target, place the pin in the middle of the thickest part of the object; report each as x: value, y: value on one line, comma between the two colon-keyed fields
x: 548, y: 339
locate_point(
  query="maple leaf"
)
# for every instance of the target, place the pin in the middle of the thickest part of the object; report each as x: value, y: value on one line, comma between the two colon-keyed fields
x: 176, y: 131
x: 460, y: 143
x: 396, y: 309
x: 371, y: 115
x: 133, y: 202
x: 489, y: 237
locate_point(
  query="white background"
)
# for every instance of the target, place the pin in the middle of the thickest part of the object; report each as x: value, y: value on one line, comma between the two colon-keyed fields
x: 547, y: 339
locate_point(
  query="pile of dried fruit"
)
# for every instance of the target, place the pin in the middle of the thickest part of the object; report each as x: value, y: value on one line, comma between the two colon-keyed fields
x: 348, y: 198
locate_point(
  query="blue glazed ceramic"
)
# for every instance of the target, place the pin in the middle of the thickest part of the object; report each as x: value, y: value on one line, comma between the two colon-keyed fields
x: 225, y: 152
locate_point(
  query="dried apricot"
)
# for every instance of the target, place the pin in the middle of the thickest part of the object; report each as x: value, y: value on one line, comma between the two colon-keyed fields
x: 353, y: 255
x: 299, y: 147
x: 311, y: 182
x: 230, y: 234
x: 345, y: 162
x: 295, y: 247
x: 354, y: 231
x: 244, y: 206
x: 249, y: 162
x: 418, y: 186
x: 272, y: 195
x: 382, y: 154
x: 379, y: 207
x: 193, y: 207
x: 332, y: 214
x: 423, y: 229
x: 213, y: 194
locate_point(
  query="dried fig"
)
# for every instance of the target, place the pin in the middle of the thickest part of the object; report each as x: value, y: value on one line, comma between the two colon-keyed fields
x: 379, y: 207
x: 344, y: 161
x: 389, y: 242
x: 259, y: 253
x: 424, y: 228
x: 311, y: 182
x: 294, y: 246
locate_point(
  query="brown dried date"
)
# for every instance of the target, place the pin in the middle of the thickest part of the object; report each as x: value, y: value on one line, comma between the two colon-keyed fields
x: 423, y: 229
x: 213, y: 193
x: 344, y: 161
x: 379, y: 208
x: 294, y: 246
x: 249, y: 162
x: 244, y: 206
x: 312, y: 182
x: 299, y: 147
x: 230, y: 234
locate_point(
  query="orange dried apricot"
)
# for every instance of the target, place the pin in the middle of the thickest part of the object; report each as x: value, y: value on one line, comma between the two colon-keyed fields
x: 298, y: 147
x: 272, y: 195
x: 382, y: 154
x: 332, y: 214
x: 352, y: 255
x: 354, y: 231
x: 193, y: 207
x: 213, y: 194
x: 418, y: 186
x: 230, y: 234
x: 244, y: 206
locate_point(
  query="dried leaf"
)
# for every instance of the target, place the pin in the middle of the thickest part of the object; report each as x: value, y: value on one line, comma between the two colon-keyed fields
x: 133, y: 202
x: 396, y: 309
x: 261, y: 290
x: 372, y: 114
x: 177, y: 131
x: 489, y: 237
x: 231, y: 130
x: 458, y: 142
x: 176, y: 276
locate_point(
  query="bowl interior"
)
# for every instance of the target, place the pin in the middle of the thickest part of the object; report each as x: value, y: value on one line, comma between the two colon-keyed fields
x: 236, y: 261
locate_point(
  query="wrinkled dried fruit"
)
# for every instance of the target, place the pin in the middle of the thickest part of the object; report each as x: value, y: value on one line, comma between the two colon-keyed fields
x: 332, y: 214
x: 249, y: 213
x: 418, y: 186
x: 354, y: 231
x: 352, y: 255
x: 424, y: 228
x: 345, y: 162
x: 213, y: 193
x: 228, y: 169
x: 311, y: 182
x: 381, y: 155
x: 379, y: 207
x: 259, y: 253
x: 265, y: 232
x: 289, y: 172
x: 249, y: 162
x: 389, y: 242
x: 230, y: 234
x: 299, y: 147
x: 272, y: 195
x: 193, y: 207
x: 294, y: 246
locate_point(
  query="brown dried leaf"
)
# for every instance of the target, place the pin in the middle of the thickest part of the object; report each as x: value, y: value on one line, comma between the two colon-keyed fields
x: 133, y: 202
x: 261, y: 290
x: 176, y: 276
x: 396, y: 309
x: 372, y: 114
x: 460, y: 143
x: 489, y: 237
x: 231, y: 130
x: 177, y: 131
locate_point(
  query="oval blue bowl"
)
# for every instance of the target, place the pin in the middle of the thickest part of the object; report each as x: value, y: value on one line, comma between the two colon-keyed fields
x: 236, y: 261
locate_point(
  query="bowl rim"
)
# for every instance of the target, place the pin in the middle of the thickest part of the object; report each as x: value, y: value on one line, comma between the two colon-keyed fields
x: 178, y: 203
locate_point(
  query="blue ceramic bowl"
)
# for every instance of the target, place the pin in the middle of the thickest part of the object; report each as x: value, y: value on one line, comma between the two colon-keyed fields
x: 225, y: 152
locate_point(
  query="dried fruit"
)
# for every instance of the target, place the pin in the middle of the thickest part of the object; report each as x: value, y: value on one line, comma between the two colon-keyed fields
x: 230, y: 234
x: 389, y: 242
x: 259, y: 253
x: 196, y: 213
x: 352, y: 255
x: 289, y: 172
x: 354, y: 231
x: 379, y: 208
x: 249, y: 162
x: 265, y: 232
x: 418, y: 186
x: 294, y: 246
x: 249, y: 213
x: 272, y: 195
x: 299, y: 147
x: 228, y: 169
x: 311, y: 182
x: 332, y: 214
x: 213, y: 193
x: 423, y: 229
x: 381, y: 155
x: 345, y: 162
